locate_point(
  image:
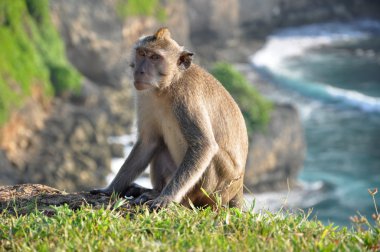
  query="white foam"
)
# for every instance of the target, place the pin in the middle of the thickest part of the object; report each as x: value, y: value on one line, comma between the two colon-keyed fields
x: 364, y: 102
x: 308, y: 195
x: 294, y: 42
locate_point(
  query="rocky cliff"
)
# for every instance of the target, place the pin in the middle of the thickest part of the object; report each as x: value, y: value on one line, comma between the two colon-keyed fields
x: 69, y: 148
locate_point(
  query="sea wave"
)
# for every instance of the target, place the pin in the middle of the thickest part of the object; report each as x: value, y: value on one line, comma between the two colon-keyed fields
x: 292, y: 42
x: 354, y: 98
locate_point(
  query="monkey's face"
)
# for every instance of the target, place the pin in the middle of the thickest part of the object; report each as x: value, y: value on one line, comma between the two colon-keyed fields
x: 157, y: 60
x: 149, y: 68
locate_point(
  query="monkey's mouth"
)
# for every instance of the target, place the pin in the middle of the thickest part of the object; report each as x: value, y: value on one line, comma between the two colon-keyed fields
x: 142, y: 85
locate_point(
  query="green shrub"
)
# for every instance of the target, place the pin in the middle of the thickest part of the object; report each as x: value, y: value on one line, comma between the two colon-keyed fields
x: 63, y: 79
x: 30, y: 46
x: 147, y: 8
x: 255, y: 108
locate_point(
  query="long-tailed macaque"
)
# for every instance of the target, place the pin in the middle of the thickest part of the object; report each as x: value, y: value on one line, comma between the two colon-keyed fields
x: 190, y: 131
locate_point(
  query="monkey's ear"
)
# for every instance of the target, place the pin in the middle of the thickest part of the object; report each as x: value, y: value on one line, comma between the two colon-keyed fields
x: 185, y: 59
x: 162, y: 33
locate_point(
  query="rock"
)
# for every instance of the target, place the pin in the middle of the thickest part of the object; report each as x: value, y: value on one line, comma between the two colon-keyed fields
x: 98, y: 41
x: 93, y: 38
x: 26, y: 198
x: 117, y: 150
x: 7, y: 173
x: 259, y: 18
x: 276, y: 154
x: 215, y: 21
x: 70, y: 152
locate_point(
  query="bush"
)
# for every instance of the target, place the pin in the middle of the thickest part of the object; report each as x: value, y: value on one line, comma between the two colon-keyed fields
x: 147, y: 8
x: 255, y: 108
x: 30, y: 45
x: 64, y: 80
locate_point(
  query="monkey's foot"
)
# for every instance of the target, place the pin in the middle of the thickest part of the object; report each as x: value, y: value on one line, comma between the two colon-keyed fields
x: 159, y: 202
x: 135, y: 190
x: 105, y: 191
x: 145, y: 197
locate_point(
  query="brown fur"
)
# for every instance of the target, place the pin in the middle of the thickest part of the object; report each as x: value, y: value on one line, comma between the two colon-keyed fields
x: 190, y: 130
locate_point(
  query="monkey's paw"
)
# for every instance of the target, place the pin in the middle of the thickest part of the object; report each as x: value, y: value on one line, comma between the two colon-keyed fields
x: 159, y: 202
x: 105, y: 191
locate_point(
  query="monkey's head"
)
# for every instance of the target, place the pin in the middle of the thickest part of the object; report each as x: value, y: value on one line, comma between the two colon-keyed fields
x: 157, y: 60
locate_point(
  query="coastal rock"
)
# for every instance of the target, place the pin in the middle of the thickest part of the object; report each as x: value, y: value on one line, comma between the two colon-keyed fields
x: 259, y: 18
x: 276, y: 154
x: 93, y: 39
x: 70, y: 149
x: 98, y: 40
x: 71, y: 154
x: 6, y: 170
x: 215, y: 21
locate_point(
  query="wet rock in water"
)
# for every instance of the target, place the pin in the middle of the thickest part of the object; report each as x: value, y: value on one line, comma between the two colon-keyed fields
x: 276, y: 154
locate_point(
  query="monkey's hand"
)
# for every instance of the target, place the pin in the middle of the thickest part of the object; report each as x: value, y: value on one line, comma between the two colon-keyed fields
x: 159, y: 202
x: 105, y: 191
x: 134, y: 190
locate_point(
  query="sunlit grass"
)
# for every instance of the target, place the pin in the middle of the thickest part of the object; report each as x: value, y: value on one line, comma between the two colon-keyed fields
x: 178, y: 229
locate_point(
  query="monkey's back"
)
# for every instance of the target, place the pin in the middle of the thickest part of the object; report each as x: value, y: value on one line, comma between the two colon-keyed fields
x: 226, y: 118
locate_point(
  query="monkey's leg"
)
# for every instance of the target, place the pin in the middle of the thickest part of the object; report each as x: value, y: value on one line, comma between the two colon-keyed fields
x: 161, y: 169
x: 202, y: 147
x: 135, y: 164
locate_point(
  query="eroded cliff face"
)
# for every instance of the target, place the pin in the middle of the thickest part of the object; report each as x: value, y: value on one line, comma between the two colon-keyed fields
x: 276, y: 154
x: 66, y: 145
x: 69, y: 148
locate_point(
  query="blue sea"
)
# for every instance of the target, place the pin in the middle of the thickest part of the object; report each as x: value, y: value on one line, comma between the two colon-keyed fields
x: 331, y: 73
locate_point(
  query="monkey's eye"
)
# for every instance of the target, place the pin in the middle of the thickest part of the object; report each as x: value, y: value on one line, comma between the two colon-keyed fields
x: 155, y: 57
x: 141, y: 53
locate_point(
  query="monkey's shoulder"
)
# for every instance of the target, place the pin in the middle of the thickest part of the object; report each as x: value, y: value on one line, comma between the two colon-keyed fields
x: 197, y: 79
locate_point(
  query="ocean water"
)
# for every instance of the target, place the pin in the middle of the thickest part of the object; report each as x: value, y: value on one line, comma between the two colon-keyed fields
x: 331, y: 73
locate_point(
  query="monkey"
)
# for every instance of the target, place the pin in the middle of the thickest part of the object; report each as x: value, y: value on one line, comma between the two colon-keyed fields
x: 190, y: 131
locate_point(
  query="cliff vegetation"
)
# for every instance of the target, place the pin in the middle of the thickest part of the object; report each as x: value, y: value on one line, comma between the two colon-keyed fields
x: 32, y: 56
x: 147, y: 8
x: 255, y: 108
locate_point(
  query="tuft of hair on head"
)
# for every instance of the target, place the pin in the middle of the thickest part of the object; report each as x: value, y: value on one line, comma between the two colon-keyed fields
x: 162, y: 33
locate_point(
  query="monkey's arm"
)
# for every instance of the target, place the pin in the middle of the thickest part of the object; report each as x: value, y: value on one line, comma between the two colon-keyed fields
x: 135, y: 164
x: 197, y: 130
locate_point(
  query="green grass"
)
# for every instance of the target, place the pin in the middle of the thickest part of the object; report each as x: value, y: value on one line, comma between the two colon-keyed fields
x: 178, y: 229
x: 31, y: 54
x: 254, y: 107
x: 144, y: 8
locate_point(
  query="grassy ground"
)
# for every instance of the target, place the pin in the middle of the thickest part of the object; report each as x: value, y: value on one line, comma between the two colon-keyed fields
x: 179, y: 229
